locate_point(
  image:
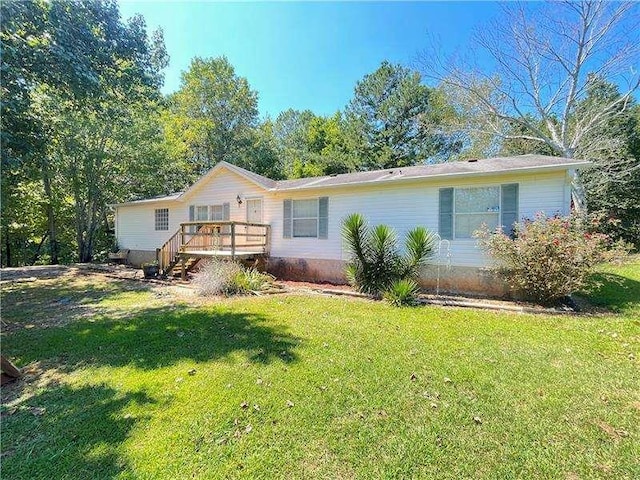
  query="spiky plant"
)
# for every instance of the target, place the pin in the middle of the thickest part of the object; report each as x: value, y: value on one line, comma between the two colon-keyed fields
x: 376, y: 261
x: 402, y: 293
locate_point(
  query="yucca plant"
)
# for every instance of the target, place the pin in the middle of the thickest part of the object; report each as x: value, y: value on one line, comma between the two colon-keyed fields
x: 376, y: 261
x: 402, y: 293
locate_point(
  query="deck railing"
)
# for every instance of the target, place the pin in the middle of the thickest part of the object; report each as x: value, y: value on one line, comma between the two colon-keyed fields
x: 233, y: 237
x: 225, y: 238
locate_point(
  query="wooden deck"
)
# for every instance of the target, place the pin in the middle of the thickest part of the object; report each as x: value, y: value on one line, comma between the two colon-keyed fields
x: 209, y: 239
x: 223, y: 253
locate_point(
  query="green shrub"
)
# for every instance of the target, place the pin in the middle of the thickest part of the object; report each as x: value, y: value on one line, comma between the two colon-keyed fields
x: 402, y: 293
x: 218, y: 277
x: 251, y: 280
x: 376, y: 262
x: 549, y: 258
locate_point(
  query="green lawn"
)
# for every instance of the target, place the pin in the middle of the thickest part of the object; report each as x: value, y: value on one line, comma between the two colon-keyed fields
x: 315, y: 387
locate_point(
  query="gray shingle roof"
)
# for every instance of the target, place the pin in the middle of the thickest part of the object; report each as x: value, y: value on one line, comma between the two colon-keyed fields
x: 473, y: 167
x: 484, y: 166
x: 172, y: 196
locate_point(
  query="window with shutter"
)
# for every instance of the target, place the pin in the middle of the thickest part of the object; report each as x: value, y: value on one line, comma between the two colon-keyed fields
x: 462, y: 211
x: 308, y: 218
x: 445, y: 220
x: 509, y: 207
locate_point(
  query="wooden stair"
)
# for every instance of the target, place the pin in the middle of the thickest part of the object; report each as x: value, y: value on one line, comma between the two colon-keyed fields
x: 175, y: 268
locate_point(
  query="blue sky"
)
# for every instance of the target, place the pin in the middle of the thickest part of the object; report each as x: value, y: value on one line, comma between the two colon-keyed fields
x: 306, y: 55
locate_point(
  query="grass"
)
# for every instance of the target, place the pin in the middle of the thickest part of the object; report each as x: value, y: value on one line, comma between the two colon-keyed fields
x: 133, y: 383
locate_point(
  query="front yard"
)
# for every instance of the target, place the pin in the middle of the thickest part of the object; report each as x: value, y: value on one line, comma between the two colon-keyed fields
x: 130, y: 381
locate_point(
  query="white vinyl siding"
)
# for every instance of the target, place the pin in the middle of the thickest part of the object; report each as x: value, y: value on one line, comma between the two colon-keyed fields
x: 401, y: 206
x: 161, y: 219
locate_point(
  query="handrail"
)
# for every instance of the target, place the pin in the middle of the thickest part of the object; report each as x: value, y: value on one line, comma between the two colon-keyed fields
x: 225, y: 236
x: 213, y: 235
x: 224, y: 222
x: 168, y: 251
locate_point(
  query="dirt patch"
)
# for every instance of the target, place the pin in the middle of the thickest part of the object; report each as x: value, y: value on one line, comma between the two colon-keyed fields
x: 315, y: 286
x: 36, y: 377
x: 613, y: 433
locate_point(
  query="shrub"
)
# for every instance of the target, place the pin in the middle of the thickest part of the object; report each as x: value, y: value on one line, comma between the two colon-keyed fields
x: 251, y: 280
x: 402, y: 293
x: 376, y: 262
x: 549, y: 258
x: 217, y: 277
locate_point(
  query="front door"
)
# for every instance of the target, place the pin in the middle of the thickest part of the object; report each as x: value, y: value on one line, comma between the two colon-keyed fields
x: 254, y: 215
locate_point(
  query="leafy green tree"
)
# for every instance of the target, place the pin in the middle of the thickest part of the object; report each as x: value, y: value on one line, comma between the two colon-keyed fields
x: 390, y: 118
x: 214, y: 114
x: 612, y: 185
x: 261, y: 154
x: 312, y: 145
x: 74, y: 70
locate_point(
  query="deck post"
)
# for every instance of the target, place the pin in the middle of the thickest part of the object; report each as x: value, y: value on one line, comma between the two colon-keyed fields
x: 183, y: 267
x: 233, y: 241
x: 181, y: 234
x: 267, y: 239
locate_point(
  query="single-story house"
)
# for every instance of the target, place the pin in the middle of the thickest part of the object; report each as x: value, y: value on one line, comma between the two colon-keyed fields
x: 295, y: 225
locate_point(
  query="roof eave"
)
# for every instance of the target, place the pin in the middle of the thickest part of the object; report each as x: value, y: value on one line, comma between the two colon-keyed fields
x: 565, y: 166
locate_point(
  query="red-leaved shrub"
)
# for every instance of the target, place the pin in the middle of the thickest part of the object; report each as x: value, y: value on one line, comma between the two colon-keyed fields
x: 548, y: 258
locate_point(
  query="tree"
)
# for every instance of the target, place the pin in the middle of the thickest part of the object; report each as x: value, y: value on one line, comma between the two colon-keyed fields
x: 612, y: 185
x: 388, y: 118
x: 540, y: 59
x: 79, y: 73
x: 214, y: 113
x: 312, y: 145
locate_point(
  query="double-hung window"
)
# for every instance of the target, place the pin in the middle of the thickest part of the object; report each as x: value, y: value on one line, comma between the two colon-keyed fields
x: 465, y: 210
x: 306, y: 218
x: 215, y: 213
x: 162, y: 218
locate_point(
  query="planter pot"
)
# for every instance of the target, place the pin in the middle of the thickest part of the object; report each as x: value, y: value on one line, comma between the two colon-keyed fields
x: 150, y: 271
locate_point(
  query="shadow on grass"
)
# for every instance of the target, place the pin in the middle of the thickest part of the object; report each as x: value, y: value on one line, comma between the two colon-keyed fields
x: 155, y: 337
x: 56, y: 301
x: 615, y: 292
x: 77, y: 435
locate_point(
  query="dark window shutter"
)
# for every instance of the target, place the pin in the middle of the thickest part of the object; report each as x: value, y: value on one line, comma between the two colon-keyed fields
x: 445, y: 219
x: 509, y: 208
x: 192, y: 217
x: 323, y: 217
x: 286, y: 217
x: 226, y: 212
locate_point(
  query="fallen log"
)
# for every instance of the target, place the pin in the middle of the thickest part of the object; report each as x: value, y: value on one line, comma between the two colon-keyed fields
x: 9, y: 368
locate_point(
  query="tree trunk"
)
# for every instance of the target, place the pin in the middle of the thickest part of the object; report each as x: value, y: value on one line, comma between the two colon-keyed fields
x: 7, y: 249
x: 34, y: 259
x: 51, y: 219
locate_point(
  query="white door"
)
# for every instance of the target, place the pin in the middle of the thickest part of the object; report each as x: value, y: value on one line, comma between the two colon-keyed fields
x: 254, y: 215
x: 254, y: 210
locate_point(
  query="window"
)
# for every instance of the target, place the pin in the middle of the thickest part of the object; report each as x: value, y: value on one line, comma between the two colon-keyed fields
x: 204, y: 213
x: 465, y: 210
x: 474, y: 207
x: 162, y: 219
x: 216, y: 213
x: 306, y: 218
